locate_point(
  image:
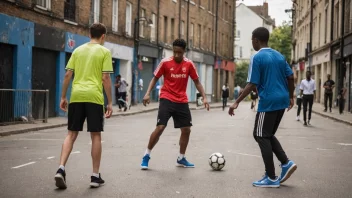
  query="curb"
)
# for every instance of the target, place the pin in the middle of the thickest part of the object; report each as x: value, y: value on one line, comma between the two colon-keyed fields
x: 332, y: 118
x: 20, y: 131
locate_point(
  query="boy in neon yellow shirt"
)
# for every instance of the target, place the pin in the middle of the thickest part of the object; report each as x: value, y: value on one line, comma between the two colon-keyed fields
x: 91, y: 64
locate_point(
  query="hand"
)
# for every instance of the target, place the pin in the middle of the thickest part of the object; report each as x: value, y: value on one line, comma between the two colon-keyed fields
x: 291, y: 104
x: 108, y: 112
x: 206, y: 104
x: 63, y: 104
x: 146, y: 100
x: 232, y: 108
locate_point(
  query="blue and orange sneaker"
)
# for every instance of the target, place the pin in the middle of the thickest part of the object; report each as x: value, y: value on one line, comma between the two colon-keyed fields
x: 266, y: 182
x: 183, y: 162
x: 145, y: 161
x: 287, y: 170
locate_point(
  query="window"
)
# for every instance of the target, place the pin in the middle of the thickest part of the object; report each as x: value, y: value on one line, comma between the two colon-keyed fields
x: 326, y: 26
x: 212, y: 41
x: 152, y: 31
x: 209, y: 39
x: 199, y: 35
x: 165, y: 29
x: 191, y: 35
x: 70, y: 10
x: 319, y: 26
x: 225, y: 11
x: 141, y: 23
x: 96, y: 11
x: 241, y: 53
x: 129, y: 19
x: 213, y: 7
x: 209, y: 5
x: 172, y: 29
x: 115, y: 8
x: 183, y: 30
x: 44, y: 4
x: 238, y: 34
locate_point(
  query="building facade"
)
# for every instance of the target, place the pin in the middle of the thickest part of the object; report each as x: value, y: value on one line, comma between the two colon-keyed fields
x: 249, y: 18
x: 322, y: 44
x: 37, y: 39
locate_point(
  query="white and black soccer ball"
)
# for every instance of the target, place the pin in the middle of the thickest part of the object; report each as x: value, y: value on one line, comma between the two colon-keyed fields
x: 217, y: 161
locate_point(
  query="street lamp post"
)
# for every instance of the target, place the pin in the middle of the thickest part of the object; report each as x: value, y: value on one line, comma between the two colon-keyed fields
x: 136, y: 58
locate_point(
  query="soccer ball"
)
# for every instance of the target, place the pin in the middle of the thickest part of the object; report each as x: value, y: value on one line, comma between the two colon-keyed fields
x: 217, y: 161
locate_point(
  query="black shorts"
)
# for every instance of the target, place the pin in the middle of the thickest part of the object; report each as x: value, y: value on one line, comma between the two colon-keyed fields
x: 178, y: 111
x: 267, y: 123
x: 78, y: 112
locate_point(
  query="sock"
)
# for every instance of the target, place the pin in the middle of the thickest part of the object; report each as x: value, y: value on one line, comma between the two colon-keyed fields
x: 62, y: 167
x: 147, y: 152
x: 96, y: 175
x: 181, y: 156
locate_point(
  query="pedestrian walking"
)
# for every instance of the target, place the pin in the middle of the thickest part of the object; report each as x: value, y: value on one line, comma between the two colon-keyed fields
x: 122, y: 89
x: 273, y: 77
x: 298, y: 101
x: 329, y: 85
x: 308, y: 88
x: 254, y: 97
x: 342, y: 99
x: 173, y: 100
x: 225, y: 94
x: 91, y: 64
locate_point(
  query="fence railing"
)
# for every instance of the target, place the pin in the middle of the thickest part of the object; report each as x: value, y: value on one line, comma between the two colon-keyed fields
x: 23, y: 106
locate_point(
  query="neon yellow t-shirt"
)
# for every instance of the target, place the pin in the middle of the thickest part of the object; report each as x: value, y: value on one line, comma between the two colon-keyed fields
x: 89, y: 62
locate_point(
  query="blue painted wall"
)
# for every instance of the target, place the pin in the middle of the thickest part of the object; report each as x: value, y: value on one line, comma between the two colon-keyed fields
x: 20, y: 33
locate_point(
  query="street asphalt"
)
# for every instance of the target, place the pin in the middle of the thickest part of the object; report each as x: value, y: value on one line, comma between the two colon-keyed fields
x: 322, y: 152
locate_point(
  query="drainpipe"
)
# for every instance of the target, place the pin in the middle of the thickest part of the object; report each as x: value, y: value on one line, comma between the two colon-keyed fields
x: 179, y: 19
x: 157, y: 29
x: 331, y: 33
x: 188, y: 2
x: 216, y: 51
x: 311, y: 36
x: 342, y: 63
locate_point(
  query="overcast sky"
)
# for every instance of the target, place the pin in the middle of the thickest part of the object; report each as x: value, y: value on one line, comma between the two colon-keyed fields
x: 276, y: 8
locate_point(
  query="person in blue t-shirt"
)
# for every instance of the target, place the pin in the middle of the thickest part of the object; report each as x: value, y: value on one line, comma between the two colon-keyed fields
x: 273, y: 77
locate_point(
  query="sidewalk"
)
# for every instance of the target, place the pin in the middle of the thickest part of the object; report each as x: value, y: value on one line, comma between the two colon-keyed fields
x: 346, y: 117
x: 62, y: 121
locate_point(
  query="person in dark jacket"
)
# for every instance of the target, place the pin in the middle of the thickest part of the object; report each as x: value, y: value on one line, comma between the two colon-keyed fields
x: 225, y: 94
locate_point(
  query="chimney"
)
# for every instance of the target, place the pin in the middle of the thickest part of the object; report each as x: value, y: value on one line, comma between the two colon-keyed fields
x: 265, y: 9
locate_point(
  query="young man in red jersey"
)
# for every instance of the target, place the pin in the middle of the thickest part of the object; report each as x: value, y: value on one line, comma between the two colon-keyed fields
x: 173, y: 99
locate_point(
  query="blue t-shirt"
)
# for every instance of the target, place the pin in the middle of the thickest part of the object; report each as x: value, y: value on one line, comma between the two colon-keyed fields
x: 269, y: 70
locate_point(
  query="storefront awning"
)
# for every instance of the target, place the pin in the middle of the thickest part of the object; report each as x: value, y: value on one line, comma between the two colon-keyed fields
x: 228, y: 66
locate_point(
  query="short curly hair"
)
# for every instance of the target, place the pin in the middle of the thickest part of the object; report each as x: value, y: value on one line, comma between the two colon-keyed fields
x: 180, y: 43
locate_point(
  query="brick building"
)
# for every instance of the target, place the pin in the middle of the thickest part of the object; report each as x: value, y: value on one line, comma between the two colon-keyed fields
x: 38, y: 37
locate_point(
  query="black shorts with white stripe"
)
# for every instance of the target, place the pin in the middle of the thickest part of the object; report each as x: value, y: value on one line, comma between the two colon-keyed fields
x: 267, y: 123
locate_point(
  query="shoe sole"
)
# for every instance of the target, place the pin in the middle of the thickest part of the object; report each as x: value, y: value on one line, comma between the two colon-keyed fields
x: 144, y: 167
x: 60, y: 182
x: 95, y: 185
x: 181, y: 165
x: 290, y: 171
x: 267, y: 186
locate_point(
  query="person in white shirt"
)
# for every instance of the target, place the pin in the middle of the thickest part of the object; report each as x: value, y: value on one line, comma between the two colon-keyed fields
x: 299, y: 100
x: 307, y: 88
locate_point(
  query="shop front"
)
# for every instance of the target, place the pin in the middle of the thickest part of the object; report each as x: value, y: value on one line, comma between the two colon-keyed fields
x: 321, y: 65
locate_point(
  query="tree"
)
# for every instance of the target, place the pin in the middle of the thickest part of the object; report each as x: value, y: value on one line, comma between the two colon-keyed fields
x: 280, y: 40
x: 241, y: 74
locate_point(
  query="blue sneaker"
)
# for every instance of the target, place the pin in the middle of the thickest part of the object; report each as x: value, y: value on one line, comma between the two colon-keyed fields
x: 266, y: 182
x: 183, y: 162
x: 145, y: 161
x: 287, y: 170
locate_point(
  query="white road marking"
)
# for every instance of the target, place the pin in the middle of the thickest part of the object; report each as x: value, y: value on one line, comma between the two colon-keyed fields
x: 345, y: 144
x: 38, y: 139
x: 76, y: 152
x: 245, y: 154
x: 322, y: 149
x: 23, y: 165
x: 52, y: 157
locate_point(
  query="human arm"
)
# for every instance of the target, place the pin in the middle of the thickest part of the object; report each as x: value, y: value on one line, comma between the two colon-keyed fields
x: 252, y: 81
x: 107, y: 70
x: 200, y: 89
x: 146, y: 99
x: 291, y: 89
x: 67, y: 79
